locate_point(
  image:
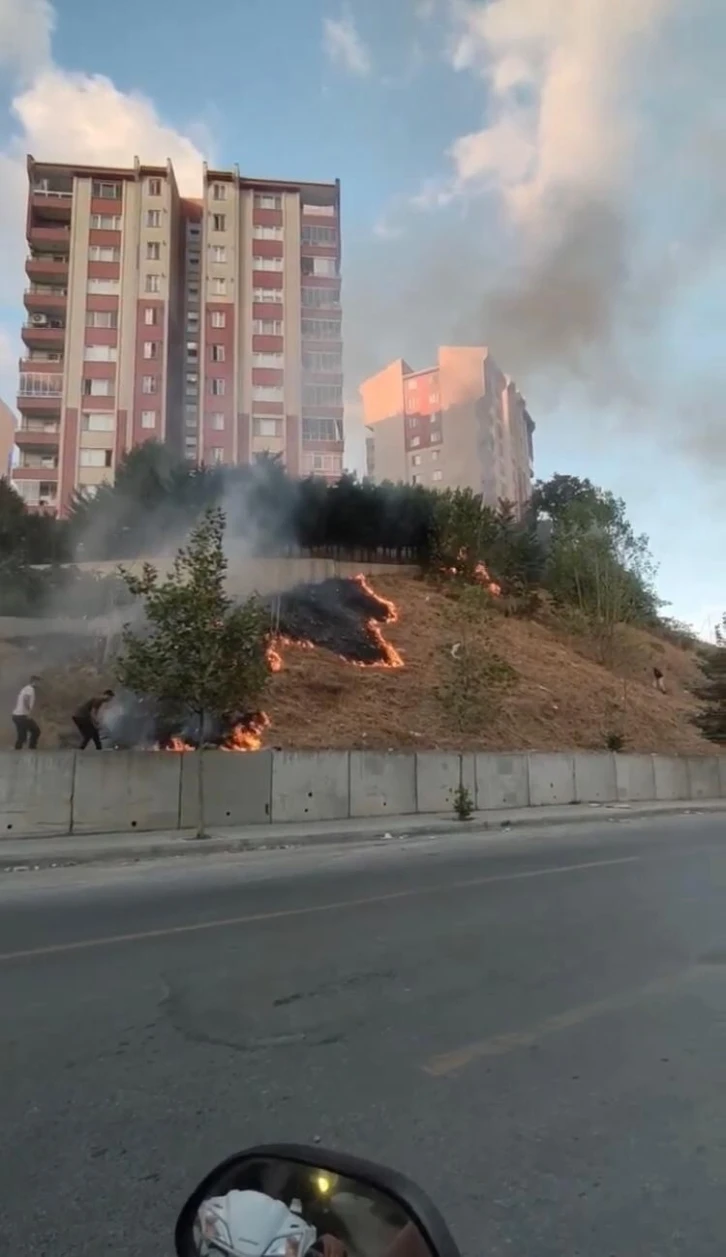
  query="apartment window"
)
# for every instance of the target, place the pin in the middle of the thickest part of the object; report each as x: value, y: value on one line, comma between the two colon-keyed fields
x: 266, y: 264
x: 321, y: 329
x: 153, y: 218
x: 194, y: 230
x: 153, y: 283
x: 321, y: 298
x: 322, y: 362
x: 217, y: 386
x: 217, y: 454
x: 266, y: 200
x: 266, y: 427
x: 219, y: 192
x: 267, y: 327
x: 319, y: 235
x: 325, y: 268
x: 102, y: 422
x: 104, y: 253
x: 268, y: 360
x: 435, y: 437
x: 266, y: 233
x: 267, y: 294
x: 148, y: 418
x: 322, y: 429
x: 437, y: 475
x: 219, y: 253
x: 98, y: 388
x: 151, y: 316
x: 435, y: 456
x: 101, y: 318
x: 219, y: 222
x: 192, y: 351
x: 108, y: 191
x: 415, y: 440
x: 108, y: 287
x: 218, y: 318
x: 415, y: 480
x: 154, y: 189
x: 193, y: 259
x: 193, y: 292
x: 267, y: 393
x: 96, y: 458
x: 216, y: 353
x: 193, y: 317
x: 322, y: 462
x: 219, y: 287
x: 151, y: 348
x: 106, y: 222
x: 319, y: 211
x: 149, y: 384
x: 153, y: 251
x: 322, y: 395
x: 416, y: 460
x: 99, y: 353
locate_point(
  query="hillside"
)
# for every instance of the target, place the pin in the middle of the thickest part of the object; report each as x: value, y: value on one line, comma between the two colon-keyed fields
x: 559, y: 696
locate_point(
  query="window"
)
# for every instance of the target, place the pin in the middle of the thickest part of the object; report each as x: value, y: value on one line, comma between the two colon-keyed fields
x: 267, y: 393
x: 101, y: 318
x: 326, y: 463
x: 96, y: 458
x: 415, y: 440
x: 151, y: 316
x: 266, y: 233
x: 219, y: 192
x: 193, y: 292
x: 218, y: 318
x: 153, y: 251
x: 415, y: 480
x: 194, y: 231
x: 322, y: 429
x: 153, y: 283
x: 193, y: 319
x: 216, y: 353
x: 268, y: 360
x: 103, y: 422
x: 217, y: 386
x: 217, y: 454
x: 435, y: 437
x: 437, y: 475
x: 151, y: 348
x: 267, y: 427
x: 326, y: 267
x: 218, y: 253
x: 319, y: 235
x: 322, y: 362
x: 219, y: 222
x: 267, y: 327
x: 192, y: 351
x: 109, y: 191
x: 321, y: 298
x: 416, y: 460
x: 266, y: 264
x: 435, y: 456
x: 98, y: 388
x: 154, y: 189
x: 321, y: 329
x: 148, y: 418
x: 322, y: 395
x: 266, y: 200
x: 99, y: 353
x: 153, y: 218
x: 106, y: 222
x: 267, y: 294
x: 150, y: 384
x: 109, y: 287
x: 219, y: 287
x: 104, y: 253
x: 194, y: 259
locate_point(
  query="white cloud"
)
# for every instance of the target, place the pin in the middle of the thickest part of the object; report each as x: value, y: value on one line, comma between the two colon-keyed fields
x: 344, y: 46
x: 62, y: 116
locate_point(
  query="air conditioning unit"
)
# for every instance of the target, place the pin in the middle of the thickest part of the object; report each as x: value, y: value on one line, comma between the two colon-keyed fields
x: 39, y: 320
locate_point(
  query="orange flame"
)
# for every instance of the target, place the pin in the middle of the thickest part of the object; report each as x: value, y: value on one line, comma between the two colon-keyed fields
x: 247, y: 737
x: 391, y: 657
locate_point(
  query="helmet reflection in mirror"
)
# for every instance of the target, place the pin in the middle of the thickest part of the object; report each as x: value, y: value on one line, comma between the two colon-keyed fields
x: 265, y: 1205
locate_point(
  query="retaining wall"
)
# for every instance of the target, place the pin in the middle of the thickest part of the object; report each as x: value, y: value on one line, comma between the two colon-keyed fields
x: 58, y: 792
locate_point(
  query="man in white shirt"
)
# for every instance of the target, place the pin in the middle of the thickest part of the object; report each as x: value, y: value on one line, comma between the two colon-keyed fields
x: 26, y: 728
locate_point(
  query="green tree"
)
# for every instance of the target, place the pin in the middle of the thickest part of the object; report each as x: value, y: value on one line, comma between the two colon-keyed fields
x: 199, y: 651
x: 711, y: 690
x: 464, y: 528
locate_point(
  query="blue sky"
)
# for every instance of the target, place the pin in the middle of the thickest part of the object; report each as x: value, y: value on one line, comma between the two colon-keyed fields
x: 578, y: 230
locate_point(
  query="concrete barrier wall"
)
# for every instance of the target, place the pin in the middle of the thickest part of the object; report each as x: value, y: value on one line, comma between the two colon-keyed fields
x: 57, y: 792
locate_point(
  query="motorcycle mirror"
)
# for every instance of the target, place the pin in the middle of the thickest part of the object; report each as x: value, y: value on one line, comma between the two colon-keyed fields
x: 285, y: 1200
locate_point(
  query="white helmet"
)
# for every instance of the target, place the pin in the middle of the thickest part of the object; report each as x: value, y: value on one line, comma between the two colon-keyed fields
x: 250, y: 1224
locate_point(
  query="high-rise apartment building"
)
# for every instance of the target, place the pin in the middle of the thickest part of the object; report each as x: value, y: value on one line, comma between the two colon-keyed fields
x: 213, y: 325
x: 7, y: 438
x: 461, y: 424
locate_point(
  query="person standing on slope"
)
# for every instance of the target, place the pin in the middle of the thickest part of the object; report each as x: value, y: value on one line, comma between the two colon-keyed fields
x: 26, y: 728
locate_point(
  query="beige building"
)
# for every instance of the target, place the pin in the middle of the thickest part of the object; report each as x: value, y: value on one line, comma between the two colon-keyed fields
x: 212, y: 325
x: 460, y: 424
x: 7, y: 438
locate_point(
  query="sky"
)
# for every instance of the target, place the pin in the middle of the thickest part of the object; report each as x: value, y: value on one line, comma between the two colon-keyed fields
x: 545, y: 177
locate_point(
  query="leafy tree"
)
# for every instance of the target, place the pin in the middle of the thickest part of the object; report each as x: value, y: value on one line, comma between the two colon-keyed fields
x: 463, y: 530
x: 711, y: 690
x: 200, y: 652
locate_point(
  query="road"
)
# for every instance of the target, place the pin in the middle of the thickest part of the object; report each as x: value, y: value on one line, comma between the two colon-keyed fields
x: 533, y: 1027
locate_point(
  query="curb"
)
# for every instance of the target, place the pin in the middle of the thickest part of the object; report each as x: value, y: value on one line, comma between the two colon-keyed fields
x: 398, y: 830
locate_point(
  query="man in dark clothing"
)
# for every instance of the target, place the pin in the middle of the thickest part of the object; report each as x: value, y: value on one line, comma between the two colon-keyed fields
x: 86, y: 719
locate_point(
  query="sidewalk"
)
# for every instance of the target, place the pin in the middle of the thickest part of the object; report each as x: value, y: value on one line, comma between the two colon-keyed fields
x: 123, y: 848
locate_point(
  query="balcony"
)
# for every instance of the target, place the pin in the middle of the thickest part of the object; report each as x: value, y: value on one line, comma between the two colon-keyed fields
x: 38, y: 434
x: 45, y: 299
x: 55, y: 203
x: 38, y: 495
x: 43, y: 333
x: 47, y: 237
x: 40, y: 394
x: 46, y: 267
x: 41, y: 360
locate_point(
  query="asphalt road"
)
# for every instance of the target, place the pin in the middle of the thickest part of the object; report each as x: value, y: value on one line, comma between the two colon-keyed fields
x: 534, y: 1028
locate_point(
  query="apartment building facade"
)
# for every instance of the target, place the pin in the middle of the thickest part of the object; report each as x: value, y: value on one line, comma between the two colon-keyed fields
x: 183, y: 321
x: 460, y: 424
